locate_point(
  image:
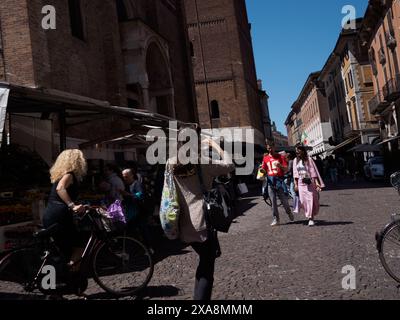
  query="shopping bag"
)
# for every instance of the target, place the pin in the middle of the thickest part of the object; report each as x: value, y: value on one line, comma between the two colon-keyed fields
x: 169, y: 208
x: 260, y: 174
x: 242, y: 188
x: 112, y: 219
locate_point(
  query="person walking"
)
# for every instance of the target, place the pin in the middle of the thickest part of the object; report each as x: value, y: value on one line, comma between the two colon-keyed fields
x: 193, y: 228
x: 276, y: 166
x: 308, y: 183
x: 132, y: 194
x: 114, y: 185
x: 333, y: 169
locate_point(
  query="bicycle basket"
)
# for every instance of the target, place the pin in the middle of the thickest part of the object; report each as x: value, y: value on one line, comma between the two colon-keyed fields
x: 395, y: 180
x: 108, y: 223
x: 82, y: 224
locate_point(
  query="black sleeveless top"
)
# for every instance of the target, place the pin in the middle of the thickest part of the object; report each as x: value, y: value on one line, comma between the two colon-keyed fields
x: 72, y: 191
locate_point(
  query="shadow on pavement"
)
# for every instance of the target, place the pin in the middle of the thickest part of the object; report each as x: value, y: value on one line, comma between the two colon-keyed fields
x: 322, y: 223
x: 148, y: 292
x: 361, y: 184
x: 244, y: 205
x: 16, y: 296
x: 167, y: 248
x: 158, y: 292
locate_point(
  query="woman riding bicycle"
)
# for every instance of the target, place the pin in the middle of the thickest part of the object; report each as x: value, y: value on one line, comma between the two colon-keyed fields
x: 66, y: 173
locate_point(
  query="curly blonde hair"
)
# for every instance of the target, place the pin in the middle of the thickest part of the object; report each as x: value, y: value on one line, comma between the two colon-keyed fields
x: 69, y: 161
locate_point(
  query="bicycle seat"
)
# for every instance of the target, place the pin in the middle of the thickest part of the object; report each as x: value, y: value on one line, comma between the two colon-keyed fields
x: 46, y: 233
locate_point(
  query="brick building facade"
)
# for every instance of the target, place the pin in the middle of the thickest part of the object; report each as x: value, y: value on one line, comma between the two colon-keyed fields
x: 380, y: 36
x: 223, y: 64
x: 98, y: 59
x: 130, y: 53
x: 312, y: 109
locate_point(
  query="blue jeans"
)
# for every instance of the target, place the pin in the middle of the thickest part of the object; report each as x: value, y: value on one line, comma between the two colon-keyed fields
x: 274, y: 193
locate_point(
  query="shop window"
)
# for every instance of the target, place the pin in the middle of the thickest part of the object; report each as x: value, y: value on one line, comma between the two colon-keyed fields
x: 351, y: 82
x: 76, y: 18
x: 215, y: 109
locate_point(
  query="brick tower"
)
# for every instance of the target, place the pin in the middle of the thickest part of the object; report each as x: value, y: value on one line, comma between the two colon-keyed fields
x: 223, y: 64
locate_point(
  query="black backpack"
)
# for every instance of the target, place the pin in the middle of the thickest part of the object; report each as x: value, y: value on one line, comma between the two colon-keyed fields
x: 217, y: 206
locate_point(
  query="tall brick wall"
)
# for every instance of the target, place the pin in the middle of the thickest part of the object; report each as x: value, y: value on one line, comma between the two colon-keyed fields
x: 172, y: 26
x: 18, y: 58
x: 92, y: 67
x: 219, y: 32
x: 56, y: 59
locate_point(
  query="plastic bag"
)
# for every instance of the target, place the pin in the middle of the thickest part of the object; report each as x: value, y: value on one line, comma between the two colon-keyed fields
x: 169, y: 209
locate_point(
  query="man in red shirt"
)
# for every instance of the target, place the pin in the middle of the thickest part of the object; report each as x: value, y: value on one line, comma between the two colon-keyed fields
x: 275, y: 165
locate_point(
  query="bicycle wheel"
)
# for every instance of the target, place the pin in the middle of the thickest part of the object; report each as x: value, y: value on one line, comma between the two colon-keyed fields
x: 389, y: 250
x: 18, y: 270
x: 122, y: 266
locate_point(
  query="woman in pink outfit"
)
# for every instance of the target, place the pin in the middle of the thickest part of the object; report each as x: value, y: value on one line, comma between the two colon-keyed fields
x: 308, y: 183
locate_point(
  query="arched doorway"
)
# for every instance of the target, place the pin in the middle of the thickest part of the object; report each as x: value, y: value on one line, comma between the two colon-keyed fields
x: 160, y: 88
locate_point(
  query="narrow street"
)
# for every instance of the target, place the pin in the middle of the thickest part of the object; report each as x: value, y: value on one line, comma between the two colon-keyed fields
x: 294, y: 261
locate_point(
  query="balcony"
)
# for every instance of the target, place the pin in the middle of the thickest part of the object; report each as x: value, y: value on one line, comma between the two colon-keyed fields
x: 391, y: 90
x: 377, y: 103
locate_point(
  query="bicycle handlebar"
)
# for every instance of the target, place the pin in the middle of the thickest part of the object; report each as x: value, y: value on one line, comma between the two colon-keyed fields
x: 88, y: 211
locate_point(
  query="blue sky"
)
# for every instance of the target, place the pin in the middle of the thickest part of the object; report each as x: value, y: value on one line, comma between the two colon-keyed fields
x: 291, y: 39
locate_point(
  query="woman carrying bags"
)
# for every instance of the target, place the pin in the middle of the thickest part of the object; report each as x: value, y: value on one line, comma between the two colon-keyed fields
x: 193, y: 228
x: 308, y: 183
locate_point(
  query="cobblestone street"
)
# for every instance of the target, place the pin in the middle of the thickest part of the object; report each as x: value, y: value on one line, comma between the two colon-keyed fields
x: 295, y: 261
x: 292, y: 261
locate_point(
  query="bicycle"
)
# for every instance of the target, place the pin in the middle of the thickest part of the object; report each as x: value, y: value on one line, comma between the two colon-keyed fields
x: 120, y: 265
x: 388, y: 240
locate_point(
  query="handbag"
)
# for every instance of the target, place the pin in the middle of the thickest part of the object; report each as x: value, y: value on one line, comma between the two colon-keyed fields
x: 242, y: 187
x: 217, y: 209
x: 169, y: 208
x: 307, y: 181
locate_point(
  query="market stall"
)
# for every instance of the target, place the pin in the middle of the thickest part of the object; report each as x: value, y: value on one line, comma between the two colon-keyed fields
x: 37, y: 123
x: 23, y: 188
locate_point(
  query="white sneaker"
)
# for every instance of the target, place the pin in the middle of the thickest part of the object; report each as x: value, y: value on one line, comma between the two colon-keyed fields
x: 311, y: 223
x: 275, y: 222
